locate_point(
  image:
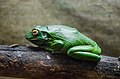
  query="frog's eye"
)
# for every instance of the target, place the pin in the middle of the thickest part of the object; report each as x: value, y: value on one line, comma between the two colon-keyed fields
x: 35, y: 32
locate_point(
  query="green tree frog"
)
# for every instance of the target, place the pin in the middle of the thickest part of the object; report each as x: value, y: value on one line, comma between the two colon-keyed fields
x: 66, y: 39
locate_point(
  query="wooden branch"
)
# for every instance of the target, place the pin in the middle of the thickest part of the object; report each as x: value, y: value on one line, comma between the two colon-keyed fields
x: 31, y: 62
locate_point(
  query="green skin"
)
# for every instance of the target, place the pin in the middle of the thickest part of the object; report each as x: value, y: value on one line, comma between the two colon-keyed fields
x: 69, y: 40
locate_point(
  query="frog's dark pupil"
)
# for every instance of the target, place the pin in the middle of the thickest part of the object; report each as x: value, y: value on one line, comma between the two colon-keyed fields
x: 34, y: 32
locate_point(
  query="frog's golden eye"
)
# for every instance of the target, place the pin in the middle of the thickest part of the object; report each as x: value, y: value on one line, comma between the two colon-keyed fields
x: 35, y: 31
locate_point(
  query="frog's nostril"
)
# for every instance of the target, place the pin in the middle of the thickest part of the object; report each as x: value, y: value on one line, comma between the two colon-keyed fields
x: 26, y: 36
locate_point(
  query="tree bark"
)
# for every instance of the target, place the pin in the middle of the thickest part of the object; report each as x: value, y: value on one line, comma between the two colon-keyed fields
x: 30, y: 62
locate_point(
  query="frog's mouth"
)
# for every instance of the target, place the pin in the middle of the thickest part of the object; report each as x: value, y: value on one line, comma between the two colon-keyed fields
x: 39, y: 41
x: 36, y: 41
x: 33, y: 39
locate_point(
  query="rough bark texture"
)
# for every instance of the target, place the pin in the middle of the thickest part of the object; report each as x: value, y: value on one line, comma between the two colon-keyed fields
x: 31, y: 62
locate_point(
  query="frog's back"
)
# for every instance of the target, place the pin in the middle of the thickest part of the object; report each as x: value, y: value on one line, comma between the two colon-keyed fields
x: 70, y: 36
x: 54, y: 28
x: 62, y: 32
x: 59, y: 28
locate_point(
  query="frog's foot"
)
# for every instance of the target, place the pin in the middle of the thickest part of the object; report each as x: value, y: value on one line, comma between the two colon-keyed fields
x: 83, y: 53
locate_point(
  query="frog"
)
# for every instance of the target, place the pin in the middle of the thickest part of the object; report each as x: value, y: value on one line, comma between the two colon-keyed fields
x: 68, y: 40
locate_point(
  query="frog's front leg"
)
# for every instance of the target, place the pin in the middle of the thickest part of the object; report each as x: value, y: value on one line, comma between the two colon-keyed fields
x: 84, y: 53
x: 55, y: 45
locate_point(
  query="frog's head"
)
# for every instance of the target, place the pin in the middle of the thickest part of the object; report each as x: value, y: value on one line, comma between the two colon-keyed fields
x: 37, y: 37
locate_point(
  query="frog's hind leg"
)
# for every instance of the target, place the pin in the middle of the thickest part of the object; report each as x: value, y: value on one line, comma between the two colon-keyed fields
x: 83, y: 53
